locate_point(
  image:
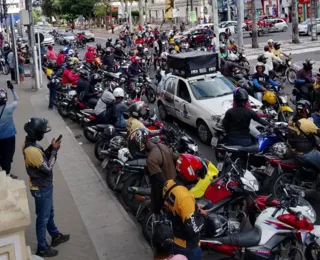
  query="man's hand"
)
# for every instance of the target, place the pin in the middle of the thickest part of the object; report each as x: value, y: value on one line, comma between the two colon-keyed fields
x: 263, y: 89
x: 9, y: 85
x: 55, y: 145
x: 204, y: 212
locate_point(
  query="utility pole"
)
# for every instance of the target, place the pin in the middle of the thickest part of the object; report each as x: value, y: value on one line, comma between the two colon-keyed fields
x: 314, y: 33
x: 229, y: 10
x: 32, y: 44
x: 240, y: 19
x: 5, y: 14
x: 215, y: 19
x: 15, y: 54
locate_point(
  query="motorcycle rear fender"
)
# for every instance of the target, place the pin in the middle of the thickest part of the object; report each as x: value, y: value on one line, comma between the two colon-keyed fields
x: 286, y: 109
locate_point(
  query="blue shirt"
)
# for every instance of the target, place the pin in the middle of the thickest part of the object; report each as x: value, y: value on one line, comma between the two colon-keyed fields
x: 316, y: 119
x: 120, y: 108
x: 7, y: 127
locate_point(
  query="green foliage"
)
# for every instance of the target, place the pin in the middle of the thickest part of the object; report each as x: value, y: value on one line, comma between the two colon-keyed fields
x: 135, y: 13
x: 100, y: 9
x: 36, y: 15
x: 75, y: 8
x: 50, y: 8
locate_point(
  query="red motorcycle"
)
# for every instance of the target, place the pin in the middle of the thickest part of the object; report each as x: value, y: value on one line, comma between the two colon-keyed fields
x: 277, y: 233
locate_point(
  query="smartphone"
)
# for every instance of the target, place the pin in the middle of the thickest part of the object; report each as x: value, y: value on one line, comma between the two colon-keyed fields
x: 59, y: 138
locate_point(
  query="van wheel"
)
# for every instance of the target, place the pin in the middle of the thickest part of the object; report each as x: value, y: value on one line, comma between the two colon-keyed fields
x: 204, y: 132
x: 260, y: 33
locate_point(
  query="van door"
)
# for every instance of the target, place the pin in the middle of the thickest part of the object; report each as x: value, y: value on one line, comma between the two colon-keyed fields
x: 183, y: 103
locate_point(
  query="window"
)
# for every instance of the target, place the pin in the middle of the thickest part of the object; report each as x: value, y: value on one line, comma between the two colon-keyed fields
x: 183, y: 91
x: 170, y: 85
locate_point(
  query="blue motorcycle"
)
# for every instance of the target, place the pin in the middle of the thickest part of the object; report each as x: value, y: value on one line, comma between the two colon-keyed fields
x: 251, y: 156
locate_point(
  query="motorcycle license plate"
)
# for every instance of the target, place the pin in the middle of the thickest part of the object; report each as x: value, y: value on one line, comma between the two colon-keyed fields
x: 220, y: 166
x: 214, y: 141
x: 269, y: 170
x: 105, y: 163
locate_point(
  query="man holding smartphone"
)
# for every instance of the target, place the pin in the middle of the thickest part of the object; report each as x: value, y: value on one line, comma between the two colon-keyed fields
x: 39, y: 164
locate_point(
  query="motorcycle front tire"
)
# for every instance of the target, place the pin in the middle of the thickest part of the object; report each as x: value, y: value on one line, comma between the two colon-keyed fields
x: 89, y: 135
x: 112, y: 175
x: 5, y: 69
x: 63, y: 110
x: 98, y: 148
x: 290, y: 73
x: 146, y: 226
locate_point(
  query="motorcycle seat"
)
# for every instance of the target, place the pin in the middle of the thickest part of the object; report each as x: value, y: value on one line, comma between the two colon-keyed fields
x: 243, y: 239
x: 102, y: 126
x: 308, y: 166
x: 89, y: 111
x: 234, y: 148
x: 137, y: 162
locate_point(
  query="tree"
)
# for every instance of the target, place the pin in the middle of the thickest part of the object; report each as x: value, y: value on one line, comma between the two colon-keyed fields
x: 295, y: 29
x: 50, y: 8
x: 141, y: 19
x: 254, y: 31
x: 76, y: 8
x: 36, y: 15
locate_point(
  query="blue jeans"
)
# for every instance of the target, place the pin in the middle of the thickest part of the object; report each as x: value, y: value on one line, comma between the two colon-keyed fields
x: 239, y: 140
x: 52, y: 95
x: 122, y: 123
x: 45, y: 216
x: 312, y: 157
x: 194, y: 253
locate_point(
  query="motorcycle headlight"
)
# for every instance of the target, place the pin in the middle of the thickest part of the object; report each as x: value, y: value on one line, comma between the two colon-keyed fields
x: 284, y: 99
x: 311, y: 215
x: 193, y: 147
x: 250, y: 183
x: 72, y: 93
x: 289, y: 62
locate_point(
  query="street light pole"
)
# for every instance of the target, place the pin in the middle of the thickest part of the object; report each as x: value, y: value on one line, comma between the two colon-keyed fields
x: 240, y: 19
x: 228, y: 10
x: 215, y: 19
x: 314, y: 33
x: 31, y: 36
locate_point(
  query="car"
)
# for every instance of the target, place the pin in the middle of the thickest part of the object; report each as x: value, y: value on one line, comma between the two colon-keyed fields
x: 89, y: 36
x: 48, y: 39
x: 198, y: 34
x: 195, y: 96
x: 279, y: 25
x: 65, y: 37
x: 305, y: 27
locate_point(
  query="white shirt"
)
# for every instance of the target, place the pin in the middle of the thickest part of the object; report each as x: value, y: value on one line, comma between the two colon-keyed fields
x: 214, y: 42
x: 271, y: 57
x: 101, y: 106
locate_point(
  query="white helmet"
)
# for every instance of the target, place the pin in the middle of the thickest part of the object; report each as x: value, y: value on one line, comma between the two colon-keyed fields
x: 71, y: 52
x: 233, y: 57
x: 164, y: 55
x: 118, y: 92
x: 145, y: 50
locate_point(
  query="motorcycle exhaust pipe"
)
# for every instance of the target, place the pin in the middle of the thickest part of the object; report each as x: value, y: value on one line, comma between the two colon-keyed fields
x: 91, y: 130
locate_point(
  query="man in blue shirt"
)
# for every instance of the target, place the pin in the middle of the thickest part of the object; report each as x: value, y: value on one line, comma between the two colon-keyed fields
x: 7, y: 129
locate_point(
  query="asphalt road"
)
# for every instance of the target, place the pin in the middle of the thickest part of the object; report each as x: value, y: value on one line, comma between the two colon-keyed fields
x: 205, y: 151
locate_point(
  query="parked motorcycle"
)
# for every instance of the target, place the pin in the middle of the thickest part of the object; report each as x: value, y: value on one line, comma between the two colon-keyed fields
x: 4, y: 67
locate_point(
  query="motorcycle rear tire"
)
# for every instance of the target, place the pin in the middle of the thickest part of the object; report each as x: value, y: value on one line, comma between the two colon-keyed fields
x: 111, y: 178
x: 134, y: 180
x: 100, y: 143
x: 63, y: 111
x: 88, y: 135
x: 151, y: 95
x: 5, y: 69
x: 146, y: 226
x: 291, y: 79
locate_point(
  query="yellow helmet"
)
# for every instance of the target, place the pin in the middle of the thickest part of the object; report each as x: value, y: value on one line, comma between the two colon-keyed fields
x: 270, y: 41
x: 270, y: 97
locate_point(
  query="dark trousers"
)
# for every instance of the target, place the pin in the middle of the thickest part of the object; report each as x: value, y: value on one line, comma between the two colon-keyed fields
x: 239, y: 140
x: 13, y: 75
x: 52, y: 96
x: 7, y: 149
x: 45, y: 216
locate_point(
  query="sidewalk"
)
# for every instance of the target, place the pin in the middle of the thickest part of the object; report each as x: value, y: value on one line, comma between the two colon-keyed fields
x: 84, y: 207
x: 305, y: 45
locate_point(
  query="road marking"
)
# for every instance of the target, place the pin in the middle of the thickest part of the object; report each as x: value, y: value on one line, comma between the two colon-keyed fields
x: 299, y: 51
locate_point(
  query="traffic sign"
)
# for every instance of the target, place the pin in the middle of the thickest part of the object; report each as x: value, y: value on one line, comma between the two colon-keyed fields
x: 41, y: 37
x: 193, y: 16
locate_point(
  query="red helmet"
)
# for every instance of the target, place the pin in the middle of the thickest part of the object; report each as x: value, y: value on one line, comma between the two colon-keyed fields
x: 90, y: 48
x: 134, y: 59
x: 191, y: 167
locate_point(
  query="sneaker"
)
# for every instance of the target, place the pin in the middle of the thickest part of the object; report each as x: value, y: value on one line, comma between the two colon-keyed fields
x: 13, y: 176
x: 48, y: 251
x: 59, y: 239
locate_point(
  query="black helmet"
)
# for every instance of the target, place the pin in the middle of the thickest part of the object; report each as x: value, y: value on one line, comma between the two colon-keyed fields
x: 137, y: 141
x: 116, y: 41
x: 277, y: 45
x: 36, y: 127
x: 84, y: 74
x: 138, y: 109
x: 307, y: 65
x: 3, y: 97
x: 109, y: 39
x: 303, y: 106
x: 140, y: 47
x: 70, y: 64
x: 262, y: 58
x: 110, y: 131
x: 98, y: 45
x: 240, y: 95
x: 95, y: 78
